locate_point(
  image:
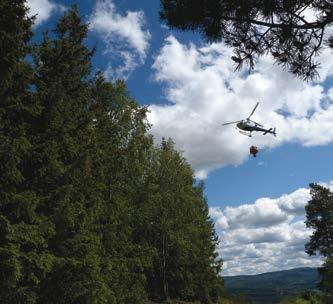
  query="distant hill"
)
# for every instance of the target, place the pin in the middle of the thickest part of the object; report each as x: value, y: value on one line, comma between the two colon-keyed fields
x: 271, y: 287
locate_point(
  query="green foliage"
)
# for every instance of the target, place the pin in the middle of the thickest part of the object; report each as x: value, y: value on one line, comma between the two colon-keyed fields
x: 120, y: 163
x: 225, y: 301
x: 254, y: 28
x: 319, y: 217
x: 90, y: 210
x: 295, y: 301
x: 306, y: 299
x: 24, y: 232
x: 15, y: 35
x: 326, y: 272
x: 181, y: 232
x: 319, y: 211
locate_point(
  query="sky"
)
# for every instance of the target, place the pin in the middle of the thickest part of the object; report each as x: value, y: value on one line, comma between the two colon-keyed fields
x: 191, y: 88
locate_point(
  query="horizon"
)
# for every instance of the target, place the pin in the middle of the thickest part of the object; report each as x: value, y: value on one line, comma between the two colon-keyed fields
x: 258, y: 274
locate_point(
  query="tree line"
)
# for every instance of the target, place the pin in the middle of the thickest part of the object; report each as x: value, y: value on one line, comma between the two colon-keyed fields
x: 91, y: 211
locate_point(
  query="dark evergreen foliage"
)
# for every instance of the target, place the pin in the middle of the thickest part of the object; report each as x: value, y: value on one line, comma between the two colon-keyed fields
x: 253, y: 28
x: 90, y: 210
x: 24, y: 257
x: 326, y: 272
x: 319, y: 217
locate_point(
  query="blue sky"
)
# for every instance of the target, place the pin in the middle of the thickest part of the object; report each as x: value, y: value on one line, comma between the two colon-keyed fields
x: 191, y: 88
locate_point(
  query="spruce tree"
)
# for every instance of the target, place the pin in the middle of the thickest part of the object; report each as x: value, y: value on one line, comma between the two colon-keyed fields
x: 62, y: 158
x: 24, y: 258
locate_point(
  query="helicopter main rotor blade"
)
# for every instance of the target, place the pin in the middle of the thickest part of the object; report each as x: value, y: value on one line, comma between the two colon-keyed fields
x: 258, y: 124
x: 230, y: 123
x: 253, y: 110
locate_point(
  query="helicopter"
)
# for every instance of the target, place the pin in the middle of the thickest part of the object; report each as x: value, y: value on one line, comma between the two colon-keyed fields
x: 247, y: 126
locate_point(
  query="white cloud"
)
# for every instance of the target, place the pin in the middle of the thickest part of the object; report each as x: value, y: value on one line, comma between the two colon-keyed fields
x: 42, y: 9
x: 295, y: 202
x: 267, y: 235
x: 204, y: 91
x: 125, y: 36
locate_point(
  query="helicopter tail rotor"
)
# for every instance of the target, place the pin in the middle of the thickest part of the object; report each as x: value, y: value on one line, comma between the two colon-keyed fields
x: 271, y: 131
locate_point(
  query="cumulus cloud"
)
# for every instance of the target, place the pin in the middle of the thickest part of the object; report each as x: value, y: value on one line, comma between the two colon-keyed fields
x: 124, y: 35
x: 204, y: 91
x: 42, y: 9
x: 295, y: 202
x: 267, y: 235
x: 264, y: 212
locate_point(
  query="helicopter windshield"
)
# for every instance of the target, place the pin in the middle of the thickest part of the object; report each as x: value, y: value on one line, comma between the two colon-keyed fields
x: 246, y: 123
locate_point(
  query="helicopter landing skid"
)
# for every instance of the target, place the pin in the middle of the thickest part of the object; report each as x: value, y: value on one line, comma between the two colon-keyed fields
x: 246, y: 133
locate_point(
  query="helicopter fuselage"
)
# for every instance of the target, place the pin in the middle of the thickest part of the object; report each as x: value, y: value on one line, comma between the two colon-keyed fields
x: 249, y: 126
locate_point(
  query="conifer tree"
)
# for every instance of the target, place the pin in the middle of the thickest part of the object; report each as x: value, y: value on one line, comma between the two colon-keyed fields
x: 24, y: 258
x: 62, y: 158
x: 292, y: 31
x: 319, y: 217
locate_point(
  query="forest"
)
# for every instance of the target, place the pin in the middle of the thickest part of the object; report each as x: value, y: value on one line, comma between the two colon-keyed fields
x: 91, y: 210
